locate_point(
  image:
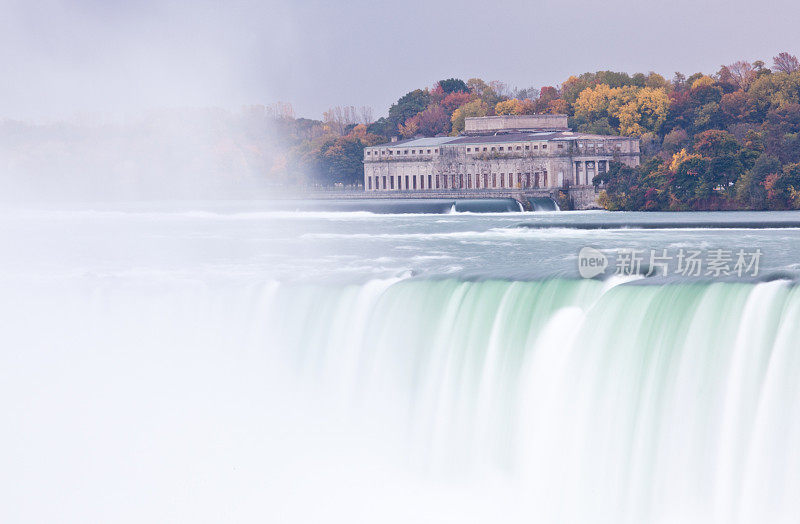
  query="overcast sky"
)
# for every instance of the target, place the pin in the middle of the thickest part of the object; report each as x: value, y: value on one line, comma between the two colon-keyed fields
x: 59, y: 58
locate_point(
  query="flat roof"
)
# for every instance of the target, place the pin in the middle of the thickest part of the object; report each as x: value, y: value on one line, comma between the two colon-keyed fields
x: 420, y: 142
x: 530, y: 137
x: 520, y: 136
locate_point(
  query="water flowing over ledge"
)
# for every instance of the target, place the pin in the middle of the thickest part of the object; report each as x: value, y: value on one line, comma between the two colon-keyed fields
x: 675, y: 403
x: 568, y: 400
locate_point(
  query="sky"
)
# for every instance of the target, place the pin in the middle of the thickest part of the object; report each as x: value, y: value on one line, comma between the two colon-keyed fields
x: 60, y: 59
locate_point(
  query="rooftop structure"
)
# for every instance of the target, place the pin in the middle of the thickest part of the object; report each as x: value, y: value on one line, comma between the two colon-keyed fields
x: 493, y: 124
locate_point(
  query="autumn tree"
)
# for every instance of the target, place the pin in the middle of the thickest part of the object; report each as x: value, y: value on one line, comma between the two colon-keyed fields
x: 486, y: 92
x: 509, y: 107
x: 786, y: 63
x: 474, y: 108
x: 455, y: 100
x: 633, y: 110
x: 432, y: 121
x: 742, y: 73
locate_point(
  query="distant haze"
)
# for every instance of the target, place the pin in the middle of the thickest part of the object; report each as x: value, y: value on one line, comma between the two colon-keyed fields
x: 59, y: 59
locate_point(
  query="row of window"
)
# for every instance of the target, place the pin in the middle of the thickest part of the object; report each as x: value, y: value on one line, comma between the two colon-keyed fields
x: 601, y: 164
x: 390, y: 152
x: 461, y: 181
x: 487, y: 149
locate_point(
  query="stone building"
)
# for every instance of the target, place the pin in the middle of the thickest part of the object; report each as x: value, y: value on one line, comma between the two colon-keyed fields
x: 497, y: 152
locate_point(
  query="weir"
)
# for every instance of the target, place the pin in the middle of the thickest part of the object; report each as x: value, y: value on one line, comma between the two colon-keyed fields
x: 576, y: 197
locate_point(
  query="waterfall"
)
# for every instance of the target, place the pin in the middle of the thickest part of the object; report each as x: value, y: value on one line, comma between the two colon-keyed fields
x: 675, y: 403
x: 407, y: 400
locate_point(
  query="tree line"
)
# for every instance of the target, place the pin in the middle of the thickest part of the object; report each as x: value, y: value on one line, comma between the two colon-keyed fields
x: 727, y: 140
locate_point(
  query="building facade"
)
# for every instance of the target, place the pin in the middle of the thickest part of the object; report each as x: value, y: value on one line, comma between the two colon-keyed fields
x: 497, y: 152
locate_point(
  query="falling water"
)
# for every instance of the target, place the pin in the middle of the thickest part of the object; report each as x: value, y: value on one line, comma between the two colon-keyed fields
x: 631, y: 404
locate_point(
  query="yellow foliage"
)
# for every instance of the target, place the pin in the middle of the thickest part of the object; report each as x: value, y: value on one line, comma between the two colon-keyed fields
x: 508, y: 107
x: 638, y: 109
x: 473, y: 108
x: 409, y: 129
x: 679, y: 158
x: 592, y: 103
x: 703, y: 81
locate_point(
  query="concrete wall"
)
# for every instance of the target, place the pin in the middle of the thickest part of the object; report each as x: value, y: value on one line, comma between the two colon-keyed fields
x: 496, y: 123
x: 584, y: 197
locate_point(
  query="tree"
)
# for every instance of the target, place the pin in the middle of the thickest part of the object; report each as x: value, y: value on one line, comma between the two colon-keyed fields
x: 365, y: 114
x: 702, y: 81
x: 750, y: 190
x: 742, y: 73
x: 633, y: 110
x: 675, y: 140
x: 509, y: 107
x: 453, y: 85
x: 338, y: 118
x: 455, y: 100
x: 486, y: 92
x: 474, y: 108
x: 527, y: 93
x: 783, y: 188
x: 715, y: 143
x: 383, y: 127
x: 409, y: 105
x: 431, y: 122
x: 786, y: 63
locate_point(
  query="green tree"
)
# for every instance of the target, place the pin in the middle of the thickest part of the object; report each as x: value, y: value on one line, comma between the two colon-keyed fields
x: 409, y: 105
x: 453, y: 85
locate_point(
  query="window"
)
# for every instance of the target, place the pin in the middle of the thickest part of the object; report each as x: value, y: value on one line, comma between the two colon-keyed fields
x: 484, y: 149
x: 390, y: 151
x: 561, y: 146
x: 494, y: 179
x: 430, y: 186
x: 369, y: 183
x: 544, y: 146
x: 367, y: 153
x: 494, y: 149
x: 501, y: 148
x: 429, y: 151
x: 436, y: 151
x: 527, y: 148
x: 518, y: 148
x: 406, y: 181
x: 536, y: 147
x: 405, y: 152
x: 391, y: 182
x: 384, y: 182
x: 468, y: 150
